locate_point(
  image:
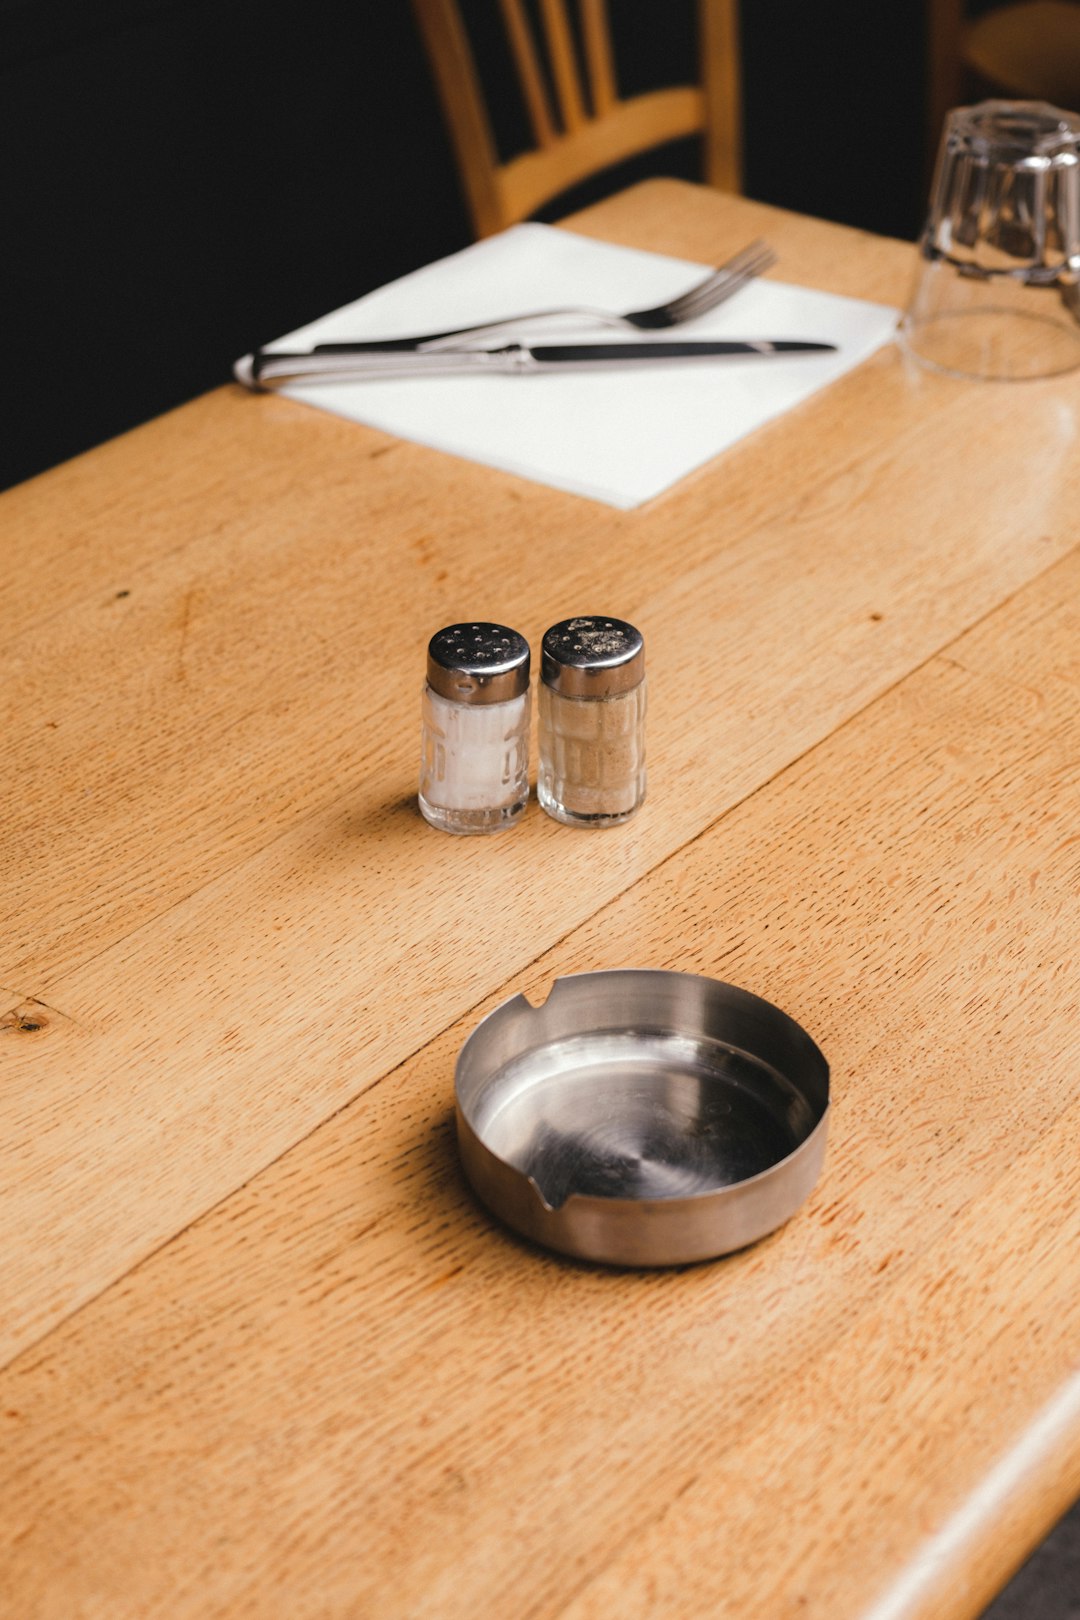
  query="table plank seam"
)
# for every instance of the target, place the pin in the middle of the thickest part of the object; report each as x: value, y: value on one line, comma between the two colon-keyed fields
x: 170, y: 1448
x: 827, y: 474
x: 462, y: 1013
x: 343, y: 800
x: 349, y: 1387
x: 505, y: 988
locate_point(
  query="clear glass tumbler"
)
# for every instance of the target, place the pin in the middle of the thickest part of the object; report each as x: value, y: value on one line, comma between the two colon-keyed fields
x: 997, y: 290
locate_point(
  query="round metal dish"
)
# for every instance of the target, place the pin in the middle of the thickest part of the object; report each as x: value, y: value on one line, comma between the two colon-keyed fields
x: 642, y: 1118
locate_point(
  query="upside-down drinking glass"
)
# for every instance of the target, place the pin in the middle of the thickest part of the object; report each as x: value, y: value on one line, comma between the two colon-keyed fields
x: 997, y: 291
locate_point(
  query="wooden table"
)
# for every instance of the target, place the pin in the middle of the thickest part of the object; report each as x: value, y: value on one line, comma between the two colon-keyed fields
x: 264, y: 1354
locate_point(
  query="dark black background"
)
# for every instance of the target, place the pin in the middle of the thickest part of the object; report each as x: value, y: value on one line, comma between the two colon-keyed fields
x: 182, y: 181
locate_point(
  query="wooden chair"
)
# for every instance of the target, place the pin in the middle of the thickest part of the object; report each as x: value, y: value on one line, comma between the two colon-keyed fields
x: 592, y: 129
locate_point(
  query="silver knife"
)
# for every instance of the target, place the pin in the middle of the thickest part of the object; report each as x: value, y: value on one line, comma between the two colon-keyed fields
x: 267, y: 368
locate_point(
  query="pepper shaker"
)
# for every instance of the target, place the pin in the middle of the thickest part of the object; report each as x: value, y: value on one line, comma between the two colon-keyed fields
x: 474, y: 771
x: 592, y: 722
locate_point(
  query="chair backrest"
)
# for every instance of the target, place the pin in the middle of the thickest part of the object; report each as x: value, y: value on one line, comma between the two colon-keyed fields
x: 589, y: 129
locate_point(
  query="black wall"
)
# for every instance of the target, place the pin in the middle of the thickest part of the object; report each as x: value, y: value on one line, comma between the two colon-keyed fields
x: 182, y: 181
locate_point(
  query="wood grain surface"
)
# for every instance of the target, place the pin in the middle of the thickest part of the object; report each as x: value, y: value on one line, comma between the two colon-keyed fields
x: 346, y: 1391
x: 342, y: 1391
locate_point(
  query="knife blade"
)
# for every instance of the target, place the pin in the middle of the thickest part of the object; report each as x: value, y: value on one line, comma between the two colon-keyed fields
x: 268, y: 368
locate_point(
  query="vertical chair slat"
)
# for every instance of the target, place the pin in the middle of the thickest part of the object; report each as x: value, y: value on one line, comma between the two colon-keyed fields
x: 594, y: 28
x: 564, y: 63
x: 462, y: 98
x: 560, y: 42
x: 532, y: 83
x: 945, y: 71
x: 720, y: 61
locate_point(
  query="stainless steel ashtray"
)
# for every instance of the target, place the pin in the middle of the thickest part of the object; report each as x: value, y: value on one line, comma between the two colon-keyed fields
x: 642, y: 1118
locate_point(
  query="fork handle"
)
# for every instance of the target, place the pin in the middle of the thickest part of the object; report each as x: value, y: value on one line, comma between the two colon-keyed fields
x: 435, y: 340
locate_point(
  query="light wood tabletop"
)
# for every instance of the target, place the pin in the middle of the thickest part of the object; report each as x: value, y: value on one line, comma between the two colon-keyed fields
x: 263, y: 1353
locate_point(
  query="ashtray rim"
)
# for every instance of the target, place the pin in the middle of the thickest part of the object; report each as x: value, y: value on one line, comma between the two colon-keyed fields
x: 635, y: 1230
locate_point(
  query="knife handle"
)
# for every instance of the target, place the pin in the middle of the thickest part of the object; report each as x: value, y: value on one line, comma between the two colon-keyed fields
x: 268, y: 369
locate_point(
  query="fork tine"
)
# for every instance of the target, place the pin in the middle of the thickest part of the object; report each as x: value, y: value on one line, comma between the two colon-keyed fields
x: 717, y: 291
x: 722, y: 283
x: 752, y: 250
x: 737, y: 262
x: 759, y: 255
x: 726, y: 274
x: 751, y: 254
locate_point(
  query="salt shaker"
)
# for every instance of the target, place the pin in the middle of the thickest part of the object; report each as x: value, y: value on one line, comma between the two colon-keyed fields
x: 592, y: 722
x: 474, y: 771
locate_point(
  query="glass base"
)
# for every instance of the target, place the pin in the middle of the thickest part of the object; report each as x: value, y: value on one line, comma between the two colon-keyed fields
x: 993, y: 344
x: 571, y: 818
x: 465, y: 822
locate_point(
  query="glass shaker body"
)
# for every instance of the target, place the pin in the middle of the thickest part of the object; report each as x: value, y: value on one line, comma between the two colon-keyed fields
x: 474, y: 767
x: 592, y: 722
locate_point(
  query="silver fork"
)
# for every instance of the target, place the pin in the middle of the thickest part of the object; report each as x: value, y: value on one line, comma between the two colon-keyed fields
x: 705, y: 295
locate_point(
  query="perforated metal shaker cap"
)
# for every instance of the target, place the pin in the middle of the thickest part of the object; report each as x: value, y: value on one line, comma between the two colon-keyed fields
x: 592, y: 657
x: 478, y: 663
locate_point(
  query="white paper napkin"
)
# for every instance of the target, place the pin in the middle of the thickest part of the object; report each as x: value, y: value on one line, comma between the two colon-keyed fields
x: 618, y: 437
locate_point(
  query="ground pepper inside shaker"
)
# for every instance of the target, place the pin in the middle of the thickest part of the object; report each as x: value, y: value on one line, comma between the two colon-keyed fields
x: 592, y: 722
x: 474, y: 769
